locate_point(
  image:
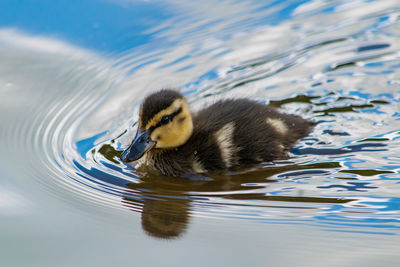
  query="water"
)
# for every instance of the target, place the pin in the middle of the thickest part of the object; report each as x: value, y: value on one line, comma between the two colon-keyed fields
x: 70, y: 92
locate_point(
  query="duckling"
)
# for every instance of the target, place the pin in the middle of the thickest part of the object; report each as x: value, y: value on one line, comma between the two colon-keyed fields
x: 232, y: 132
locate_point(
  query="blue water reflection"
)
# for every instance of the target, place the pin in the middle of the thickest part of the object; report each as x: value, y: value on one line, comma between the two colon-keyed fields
x: 111, y: 26
x: 120, y: 25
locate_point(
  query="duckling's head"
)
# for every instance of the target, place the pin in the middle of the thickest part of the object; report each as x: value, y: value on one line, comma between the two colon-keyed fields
x: 165, y: 122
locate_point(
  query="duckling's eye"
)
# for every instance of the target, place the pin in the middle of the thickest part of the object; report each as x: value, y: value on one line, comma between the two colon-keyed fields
x: 165, y: 119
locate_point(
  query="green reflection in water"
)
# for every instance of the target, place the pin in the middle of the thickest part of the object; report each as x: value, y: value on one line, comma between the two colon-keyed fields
x: 349, y: 108
x: 366, y: 172
x: 374, y: 140
x: 379, y: 102
x: 296, y: 99
x: 110, y: 153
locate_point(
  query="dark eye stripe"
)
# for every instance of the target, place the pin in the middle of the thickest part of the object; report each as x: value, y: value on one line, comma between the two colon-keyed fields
x: 166, y: 119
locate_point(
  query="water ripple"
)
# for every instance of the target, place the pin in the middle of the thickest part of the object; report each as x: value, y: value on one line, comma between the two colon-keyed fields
x: 345, y: 175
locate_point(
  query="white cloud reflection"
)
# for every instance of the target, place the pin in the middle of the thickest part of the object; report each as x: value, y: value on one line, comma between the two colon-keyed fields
x: 18, y: 39
x: 12, y: 203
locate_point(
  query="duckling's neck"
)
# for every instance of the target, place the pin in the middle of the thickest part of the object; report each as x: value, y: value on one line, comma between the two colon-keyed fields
x: 168, y: 161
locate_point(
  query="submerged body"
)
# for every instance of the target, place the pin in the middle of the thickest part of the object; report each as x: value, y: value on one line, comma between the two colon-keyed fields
x: 226, y: 134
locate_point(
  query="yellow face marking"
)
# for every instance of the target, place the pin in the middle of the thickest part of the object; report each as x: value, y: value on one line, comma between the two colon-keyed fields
x: 278, y: 125
x: 176, y: 132
x: 173, y: 107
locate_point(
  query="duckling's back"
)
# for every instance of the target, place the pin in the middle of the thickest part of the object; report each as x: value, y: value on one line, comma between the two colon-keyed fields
x: 233, y: 132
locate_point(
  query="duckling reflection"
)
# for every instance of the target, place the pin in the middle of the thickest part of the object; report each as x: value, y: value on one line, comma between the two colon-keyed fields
x: 165, y: 212
x: 165, y: 215
x: 167, y: 202
x: 167, y: 218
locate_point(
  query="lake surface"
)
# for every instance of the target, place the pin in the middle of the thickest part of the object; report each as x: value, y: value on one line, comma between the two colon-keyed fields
x: 72, y: 77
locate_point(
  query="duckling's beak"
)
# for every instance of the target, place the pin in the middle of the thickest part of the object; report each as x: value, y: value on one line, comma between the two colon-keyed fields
x: 139, y: 146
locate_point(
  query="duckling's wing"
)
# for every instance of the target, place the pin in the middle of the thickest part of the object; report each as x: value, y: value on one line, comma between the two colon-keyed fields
x: 245, y: 131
